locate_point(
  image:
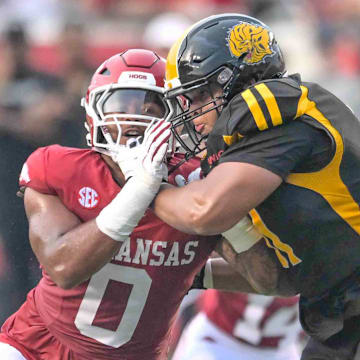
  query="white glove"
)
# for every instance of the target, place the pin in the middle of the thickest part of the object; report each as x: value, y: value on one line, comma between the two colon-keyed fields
x: 127, y: 156
x: 153, y: 154
x: 145, y: 160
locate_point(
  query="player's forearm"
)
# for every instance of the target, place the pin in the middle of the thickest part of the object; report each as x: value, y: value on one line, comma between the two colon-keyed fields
x: 75, y: 256
x: 70, y: 251
x: 194, y: 209
x: 224, y: 277
x: 218, y: 202
x: 176, y: 207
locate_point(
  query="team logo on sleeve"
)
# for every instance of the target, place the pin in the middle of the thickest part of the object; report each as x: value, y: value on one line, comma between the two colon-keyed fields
x: 24, y: 175
x: 88, y: 197
x: 253, y: 40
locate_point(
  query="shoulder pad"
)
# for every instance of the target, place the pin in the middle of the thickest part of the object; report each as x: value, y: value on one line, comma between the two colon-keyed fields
x: 262, y: 106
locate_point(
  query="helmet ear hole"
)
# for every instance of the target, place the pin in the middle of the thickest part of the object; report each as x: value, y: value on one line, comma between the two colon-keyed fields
x: 224, y: 76
x: 105, y: 71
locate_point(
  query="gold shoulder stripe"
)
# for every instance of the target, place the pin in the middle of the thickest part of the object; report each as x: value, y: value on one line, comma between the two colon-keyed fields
x: 271, y: 103
x: 278, y: 244
x: 255, y: 109
x: 304, y: 104
x: 335, y: 192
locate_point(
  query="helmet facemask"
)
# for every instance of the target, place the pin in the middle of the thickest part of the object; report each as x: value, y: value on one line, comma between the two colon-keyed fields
x: 212, y: 89
x: 119, y: 111
x: 125, y: 95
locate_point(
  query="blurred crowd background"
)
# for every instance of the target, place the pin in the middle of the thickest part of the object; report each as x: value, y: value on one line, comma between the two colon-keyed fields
x: 49, y: 49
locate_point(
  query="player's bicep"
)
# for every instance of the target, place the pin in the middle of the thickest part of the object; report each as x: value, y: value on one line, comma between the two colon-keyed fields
x: 48, y: 220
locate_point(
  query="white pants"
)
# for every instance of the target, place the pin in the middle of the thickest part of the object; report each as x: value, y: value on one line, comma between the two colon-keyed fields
x: 202, y: 340
x: 8, y: 352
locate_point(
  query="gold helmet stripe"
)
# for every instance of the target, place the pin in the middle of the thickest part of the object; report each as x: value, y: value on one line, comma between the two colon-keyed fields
x: 171, y: 61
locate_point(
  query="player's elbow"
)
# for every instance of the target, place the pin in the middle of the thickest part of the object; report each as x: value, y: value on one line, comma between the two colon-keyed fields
x: 273, y: 283
x: 63, y: 278
x: 265, y: 285
x: 61, y: 269
x: 263, y: 271
x: 201, y: 216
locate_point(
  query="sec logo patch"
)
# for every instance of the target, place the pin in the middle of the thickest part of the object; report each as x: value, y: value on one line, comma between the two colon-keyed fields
x: 88, y: 197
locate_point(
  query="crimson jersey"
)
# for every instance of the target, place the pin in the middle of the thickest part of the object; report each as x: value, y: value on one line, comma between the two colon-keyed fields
x: 261, y: 321
x: 125, y: 310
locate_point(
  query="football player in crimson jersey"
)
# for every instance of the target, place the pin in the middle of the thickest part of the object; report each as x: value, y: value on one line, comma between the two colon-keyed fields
x: 281, y: 151
x: 113, y: 273
x: 232, y: 326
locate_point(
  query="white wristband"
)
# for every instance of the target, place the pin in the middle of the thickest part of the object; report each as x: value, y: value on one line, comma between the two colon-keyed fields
x: 243, y: 235
x: 208, y: 278
x: 119, y: 218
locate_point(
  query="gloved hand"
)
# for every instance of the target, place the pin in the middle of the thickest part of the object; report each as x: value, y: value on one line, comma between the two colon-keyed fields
x: 147, y: 159
x: 127, y: 156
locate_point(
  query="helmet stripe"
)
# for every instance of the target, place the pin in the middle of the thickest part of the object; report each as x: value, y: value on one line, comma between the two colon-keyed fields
x: 171, y: 61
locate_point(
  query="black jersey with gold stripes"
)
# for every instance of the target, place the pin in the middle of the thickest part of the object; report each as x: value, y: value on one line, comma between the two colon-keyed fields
x: 311, y: 139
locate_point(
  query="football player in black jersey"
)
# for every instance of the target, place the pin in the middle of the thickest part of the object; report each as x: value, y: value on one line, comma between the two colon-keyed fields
x: 281, y: 152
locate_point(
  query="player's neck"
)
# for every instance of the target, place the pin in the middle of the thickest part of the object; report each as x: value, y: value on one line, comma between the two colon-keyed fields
x: 115, y: 170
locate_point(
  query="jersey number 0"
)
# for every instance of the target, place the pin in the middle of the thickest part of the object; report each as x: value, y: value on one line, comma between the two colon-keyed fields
x: 141, y: 283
